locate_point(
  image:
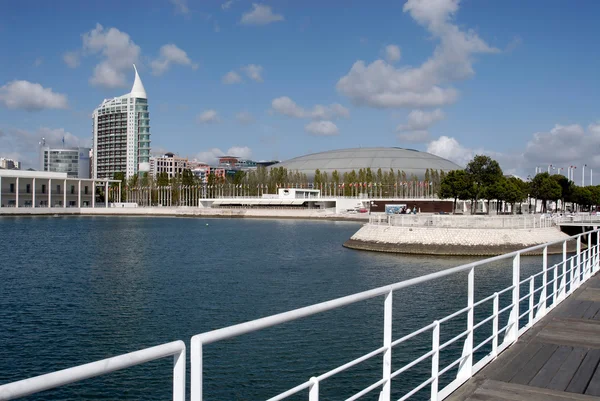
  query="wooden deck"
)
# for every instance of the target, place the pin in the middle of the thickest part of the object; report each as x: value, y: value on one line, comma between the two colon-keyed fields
x: 556, y: 360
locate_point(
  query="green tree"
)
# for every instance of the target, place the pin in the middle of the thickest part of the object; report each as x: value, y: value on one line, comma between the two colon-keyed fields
x: 516, y: 192
x: 456, y: 184
x: 545, y: 188
x: 120, y: 176
x: 484, y: 171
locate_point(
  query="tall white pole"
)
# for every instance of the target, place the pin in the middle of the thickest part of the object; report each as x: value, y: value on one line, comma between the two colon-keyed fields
x: 591, y: 178
x: 583, y: 175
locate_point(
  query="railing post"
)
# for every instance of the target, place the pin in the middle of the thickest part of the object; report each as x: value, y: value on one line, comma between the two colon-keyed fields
x: 572, y: 274
x: 541, y: 307
x: 387, y: 342
x: 313, y: 390
x: 435, y: 360
x: 531, y: 289
x: 179, y: 376
x: 578, y: 267
x: 597, y: 251
x: 495, y: 325
x: 196, y: 369
x: 512, y: 331
x: 465, y: 368
x: 589, y: 257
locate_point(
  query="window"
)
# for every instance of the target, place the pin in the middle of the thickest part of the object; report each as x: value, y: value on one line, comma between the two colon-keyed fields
x: 43, y: 188
x: 85, y: 190
x: 72, y: 189
x: 28, y: 188
x: 58, y: 188
x: 12, y: 188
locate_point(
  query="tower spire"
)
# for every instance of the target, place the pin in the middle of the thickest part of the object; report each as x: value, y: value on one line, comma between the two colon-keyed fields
x: 138, y: 88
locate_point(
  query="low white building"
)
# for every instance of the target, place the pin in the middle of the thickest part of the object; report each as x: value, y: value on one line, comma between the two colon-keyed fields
x: 49, y: 189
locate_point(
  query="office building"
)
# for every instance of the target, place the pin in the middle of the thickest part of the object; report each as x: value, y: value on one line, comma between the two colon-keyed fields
x: 9, y: 164
x: 73, y: 161
x: 122, y: 134
x: 168, y: 163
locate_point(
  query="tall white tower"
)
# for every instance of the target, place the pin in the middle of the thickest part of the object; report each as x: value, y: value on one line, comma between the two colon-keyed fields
x: 122, y: 134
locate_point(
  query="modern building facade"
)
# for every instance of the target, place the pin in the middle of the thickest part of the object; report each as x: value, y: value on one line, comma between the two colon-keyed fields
x: 121, y: 129
x: 73, y: 161
x: 9, y: 164
x: 50, y: 189
x: 168, y: 163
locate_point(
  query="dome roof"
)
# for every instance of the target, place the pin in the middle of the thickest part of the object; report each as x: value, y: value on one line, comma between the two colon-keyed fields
x: 345, y: 160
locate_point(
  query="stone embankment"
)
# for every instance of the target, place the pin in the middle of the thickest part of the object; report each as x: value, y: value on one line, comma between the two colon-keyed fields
x: 453, y: 241
x: 315, y: 214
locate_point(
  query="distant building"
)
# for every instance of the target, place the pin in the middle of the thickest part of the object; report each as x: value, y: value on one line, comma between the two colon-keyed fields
x: 168, y: 163
x: 73, y: 161
x: 267, y: 163
x: 9, y: 164
x: 122, y: 134
x: 228, y: 161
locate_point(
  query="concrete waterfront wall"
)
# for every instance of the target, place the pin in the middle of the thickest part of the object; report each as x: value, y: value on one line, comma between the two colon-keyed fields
x: 317, y: 214
x: 452, y: 241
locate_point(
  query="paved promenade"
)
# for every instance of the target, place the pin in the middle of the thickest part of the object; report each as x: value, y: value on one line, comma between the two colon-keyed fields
x: 557, y: 359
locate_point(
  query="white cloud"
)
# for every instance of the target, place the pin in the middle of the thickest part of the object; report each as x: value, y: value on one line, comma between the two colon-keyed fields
x: 286, y: 106
x: 253, y: 72
x: 392, y: 53
x: 382, y: 85
x: 322, y: 128
x: 243, y: 152
x: 23, y: 145
x: 181, y: 6
x: 421, y: 120
x: 450, y: 149
x: 170, y: 54
x: 260, y: 15
x: 30, y: 96
x: 208, y: 116
x: 118, y: 52
x: 231, y: 77
x: 211, y: 156
x: 71, y: 59
x: 244, y: 117
x: 419, y: 136
x: 227, y: 5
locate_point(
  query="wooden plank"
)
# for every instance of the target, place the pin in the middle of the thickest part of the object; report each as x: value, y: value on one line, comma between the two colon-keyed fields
x: 570, y: 308
x: 590, y: 294
x: 585, y: 305
x: 507, y: 372
x: 550, y: 368
x: 594, y: 387
x: 495, y: 390
x: 585, y: 372
x: 563, y: 377
x: 576, y: 333
x: 592, y: 311
x: 531, y: 369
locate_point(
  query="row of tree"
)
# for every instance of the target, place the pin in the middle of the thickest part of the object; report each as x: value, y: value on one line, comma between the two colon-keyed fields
x: 483, y: 179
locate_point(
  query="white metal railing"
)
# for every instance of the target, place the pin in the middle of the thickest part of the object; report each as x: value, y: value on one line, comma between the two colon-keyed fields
x: 556, y: 282
x: 63, y: 377
x: 451, y: 221
x: 578, y: 218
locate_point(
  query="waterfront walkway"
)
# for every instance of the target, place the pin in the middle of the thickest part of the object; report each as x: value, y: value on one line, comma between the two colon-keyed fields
x: 557, y: 359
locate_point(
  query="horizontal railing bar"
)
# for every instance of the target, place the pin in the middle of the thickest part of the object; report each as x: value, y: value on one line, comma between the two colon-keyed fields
x: 484, y: 321
x: 413, y: 363
x: 452, y: 340
x: 481, y: 344
x: 261, y: 323
x: 416, y: 389
x: 413, y: 334
x: 484, y: 300
x: 453, y: 364
x: 47, y: 381
x: 351, y: 363
x: 453, y: 315
x: 291, y: 391
x: 506, y: 308
x: 530, y: 277
x: 367, y: 390
x: 506, y: 289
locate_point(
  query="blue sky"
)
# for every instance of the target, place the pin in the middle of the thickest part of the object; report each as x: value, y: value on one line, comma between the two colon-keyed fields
x: 513, y: 79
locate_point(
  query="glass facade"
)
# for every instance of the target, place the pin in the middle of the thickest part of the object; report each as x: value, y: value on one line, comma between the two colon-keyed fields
x: 74, y: 162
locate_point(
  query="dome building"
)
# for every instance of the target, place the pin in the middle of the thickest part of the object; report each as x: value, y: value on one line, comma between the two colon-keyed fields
x: 345, y: 160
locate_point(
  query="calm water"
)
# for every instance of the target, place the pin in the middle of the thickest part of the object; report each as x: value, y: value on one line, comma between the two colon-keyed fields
x: 74, y: 290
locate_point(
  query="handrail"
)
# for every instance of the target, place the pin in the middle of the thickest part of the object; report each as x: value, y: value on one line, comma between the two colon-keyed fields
x: 59, y: 378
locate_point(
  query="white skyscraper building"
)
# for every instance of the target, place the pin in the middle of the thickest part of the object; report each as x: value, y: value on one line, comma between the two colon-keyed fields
x: 122, y: 134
